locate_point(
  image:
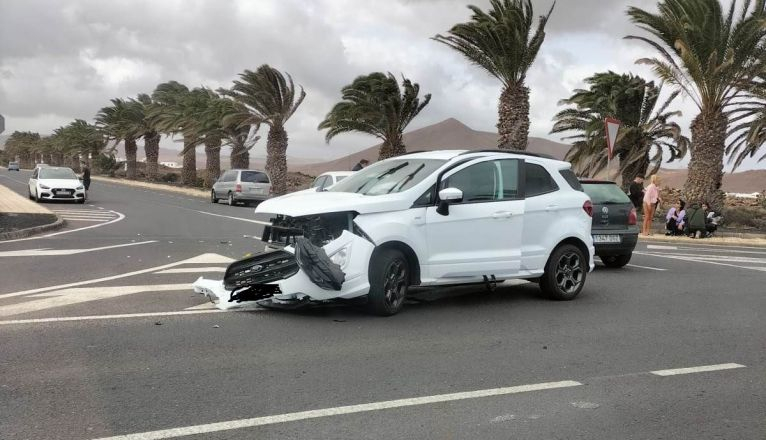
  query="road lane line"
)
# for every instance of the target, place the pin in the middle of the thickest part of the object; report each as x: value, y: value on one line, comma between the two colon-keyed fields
x: 192, y: 270
x: 700, y: 369
x: 208, y: 258
x: 647, y: 267
x: 69, y: 231
x: 121, y: 316
x: 691, y: 260
x: 655, y: 246
x: 82, y: 219
x: 58, y: 252
x: 235, y: 218
x: 340, y: 410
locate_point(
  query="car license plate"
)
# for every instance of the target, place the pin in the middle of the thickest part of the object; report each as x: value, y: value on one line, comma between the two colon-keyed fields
x: 256, y: 190
x: 62, y: 192
x: 607, y: 239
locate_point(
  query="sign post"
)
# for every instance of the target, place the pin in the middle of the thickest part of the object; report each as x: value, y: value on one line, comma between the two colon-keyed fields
x: 611, y: 127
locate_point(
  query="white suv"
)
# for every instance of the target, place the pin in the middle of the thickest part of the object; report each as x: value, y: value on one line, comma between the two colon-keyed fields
x: 495, y: 216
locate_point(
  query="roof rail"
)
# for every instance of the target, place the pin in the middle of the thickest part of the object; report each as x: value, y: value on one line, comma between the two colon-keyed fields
x: 522, y: 153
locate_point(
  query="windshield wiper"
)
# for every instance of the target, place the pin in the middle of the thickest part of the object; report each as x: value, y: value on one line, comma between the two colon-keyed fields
x: 389, y: 171
x: 407, y: 178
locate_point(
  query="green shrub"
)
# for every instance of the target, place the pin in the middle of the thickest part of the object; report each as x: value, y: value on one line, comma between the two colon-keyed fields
x: 169, y: 177
x: 105, y: 164
x: 745, y: 217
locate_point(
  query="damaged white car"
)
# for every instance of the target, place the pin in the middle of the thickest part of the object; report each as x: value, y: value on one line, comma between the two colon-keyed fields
x: 424, y: 219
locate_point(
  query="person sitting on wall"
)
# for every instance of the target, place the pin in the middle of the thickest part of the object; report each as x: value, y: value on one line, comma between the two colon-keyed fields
x: 712, y: 219
x: 695, y: 221
x: 675, y: 220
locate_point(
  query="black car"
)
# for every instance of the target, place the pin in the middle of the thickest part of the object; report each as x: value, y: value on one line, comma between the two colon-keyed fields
x: 614, y: 230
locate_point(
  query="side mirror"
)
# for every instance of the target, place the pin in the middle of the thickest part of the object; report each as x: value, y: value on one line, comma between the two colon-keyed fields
x: 448, y: 196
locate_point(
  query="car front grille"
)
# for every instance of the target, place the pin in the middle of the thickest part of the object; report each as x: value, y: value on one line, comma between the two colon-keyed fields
x: 62, y: 193
x: 260, y: 269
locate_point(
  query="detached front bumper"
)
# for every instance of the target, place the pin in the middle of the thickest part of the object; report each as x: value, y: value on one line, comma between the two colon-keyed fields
x: 279, y: 276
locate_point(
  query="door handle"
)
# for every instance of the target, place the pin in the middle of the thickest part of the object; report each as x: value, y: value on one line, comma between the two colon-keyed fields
x: 551, y: 207
x: 502, y: 214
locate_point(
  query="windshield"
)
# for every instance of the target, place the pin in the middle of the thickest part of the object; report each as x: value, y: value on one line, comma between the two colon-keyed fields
x: 388, y: 177
x: 254, y: 177
x: 57, y: 173
x: 605, y: 193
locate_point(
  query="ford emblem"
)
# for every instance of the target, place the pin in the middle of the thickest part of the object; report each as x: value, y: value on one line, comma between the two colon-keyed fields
x: 257, y: 268
x: 605, y: 210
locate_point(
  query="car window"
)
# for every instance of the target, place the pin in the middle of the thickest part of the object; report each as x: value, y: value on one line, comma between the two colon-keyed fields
x: 254, y: 177
x: 510, y: 173
x: 229, y: 176
x: 388, y: 176
x: 34, y: 174
x: 537, y: 181
x: 571, y: 179
x: 605, y: 193
x: 479, y: 182
x: 319, y: 182
x: 56, y: 173
x: 339, y: 178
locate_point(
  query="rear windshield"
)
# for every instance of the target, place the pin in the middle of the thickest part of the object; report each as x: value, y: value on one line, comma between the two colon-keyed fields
x: 388, y: 177
x: 254, y: 177
x: 57, y: 173
x: 605, y: 193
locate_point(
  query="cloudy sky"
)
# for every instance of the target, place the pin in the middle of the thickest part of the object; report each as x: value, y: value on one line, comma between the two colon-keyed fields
x: 61, y: 60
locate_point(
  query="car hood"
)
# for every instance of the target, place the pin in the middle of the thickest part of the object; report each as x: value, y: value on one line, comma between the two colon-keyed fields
x: 60, y: 183
x: 308, y: 203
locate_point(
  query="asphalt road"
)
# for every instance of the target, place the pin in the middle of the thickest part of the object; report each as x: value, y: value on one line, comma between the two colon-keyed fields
x: 100, y: 336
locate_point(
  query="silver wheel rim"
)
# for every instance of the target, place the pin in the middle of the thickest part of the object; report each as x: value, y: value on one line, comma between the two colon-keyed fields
x: 231, y: 200
x: 569, y: 272
x: 395, y: 283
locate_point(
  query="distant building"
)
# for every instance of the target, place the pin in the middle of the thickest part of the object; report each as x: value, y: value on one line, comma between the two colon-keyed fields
x: 170, y: 164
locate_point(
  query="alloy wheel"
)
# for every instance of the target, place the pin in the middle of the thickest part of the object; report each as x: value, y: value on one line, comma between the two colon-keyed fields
x: 569, y: 272
x: 395, y: 283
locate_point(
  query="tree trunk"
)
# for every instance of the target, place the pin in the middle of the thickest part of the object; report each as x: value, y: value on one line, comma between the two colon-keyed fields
x: 703, y: 183
x: 130, y: 158
x: 212, y: 161
x: 25, y: 160
x: 189, y: 170
x: 513, y: 118
x: 152, y: 151
x: 240, y: 157
x: 391, y: 149
x: 276, y: 159
x: 75, y: 163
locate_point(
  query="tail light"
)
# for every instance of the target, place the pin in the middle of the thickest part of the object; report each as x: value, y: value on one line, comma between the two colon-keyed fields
x: 633, y: 217
x: 588, y: 208
x: 238, y: 188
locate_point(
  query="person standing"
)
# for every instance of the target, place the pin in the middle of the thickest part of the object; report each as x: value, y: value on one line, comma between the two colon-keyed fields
x: 636, y: 192
x: 361, y: 164
x: 652, y: 200
x: 86, y: 179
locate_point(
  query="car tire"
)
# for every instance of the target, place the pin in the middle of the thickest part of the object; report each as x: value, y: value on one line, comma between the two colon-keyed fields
x: 565, y: 273
x: 81, y: 201
x: 230, y: 199
x: 616, y: 261
x: 36, y: 197
x: 213, y: 198
x: 389, y: 281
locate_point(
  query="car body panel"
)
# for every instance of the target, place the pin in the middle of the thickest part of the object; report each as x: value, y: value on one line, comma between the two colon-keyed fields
x: 14, y: 166
x: 610, y: 219
x: 231, y: 180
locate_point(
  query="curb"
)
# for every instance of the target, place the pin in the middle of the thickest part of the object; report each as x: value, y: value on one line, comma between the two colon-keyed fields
x: 22, y: 233
x: 155, y: 186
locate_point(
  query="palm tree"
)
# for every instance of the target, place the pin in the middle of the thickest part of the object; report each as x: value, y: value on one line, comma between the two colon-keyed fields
x: 238, y: 133
x: 19, y: 145
x: 150, y: 134
x: 204, y: 124
x: 79, y: 141
x: 708, y: 55
x: 168, y: 115
x: 646, y: 131
x: 749, y: 125
x: 502, y: 41
x: 121, y: 122
x: 269, y: 99
x: 375, y: 104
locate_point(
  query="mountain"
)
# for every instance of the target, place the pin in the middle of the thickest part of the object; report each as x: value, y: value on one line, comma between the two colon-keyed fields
x: 446, y: 135
x: 740, y: 182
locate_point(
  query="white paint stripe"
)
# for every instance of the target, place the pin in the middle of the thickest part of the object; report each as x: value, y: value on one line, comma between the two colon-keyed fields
x: 193, y: 270
x: 51, y: 252
x: 204, y: 258
x: 646, y: 267
x: 82, y: 219
x: 655, y: 246
x: 701, y: 369
x: 104, y: 317
x: 69, y: 231
x: 98, y: 216
x: 337, y: 411
x: 236, y: 218
x: 691, y: 260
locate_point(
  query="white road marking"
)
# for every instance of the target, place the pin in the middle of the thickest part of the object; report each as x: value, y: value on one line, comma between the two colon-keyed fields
x: 655, y: 246
x: 693, y: 260
x: 192, y: 270
x: 340, y: 410
x: 103, y: 317
x: 236, y: 218
x: 205, y: 306
x: 77, y: 295
x: 646, y: 267
x: 204, y: 259
x: 701, y: 369
x: 50, y: 252
x: 78, y: 219
x: 69, y: 231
